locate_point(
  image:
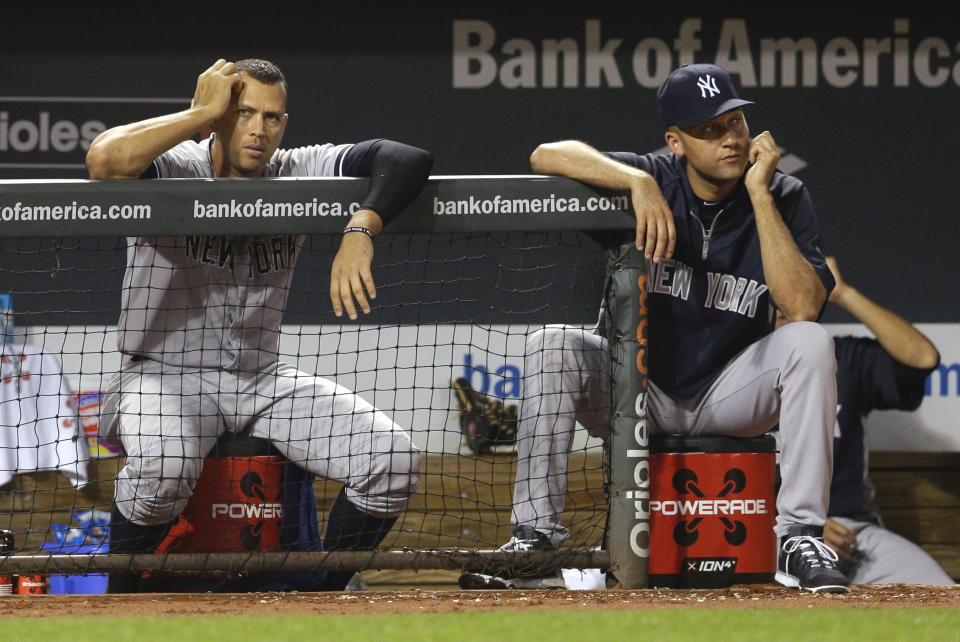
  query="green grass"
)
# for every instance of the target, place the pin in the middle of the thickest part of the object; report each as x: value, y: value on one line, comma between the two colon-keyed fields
x: 770, y: 625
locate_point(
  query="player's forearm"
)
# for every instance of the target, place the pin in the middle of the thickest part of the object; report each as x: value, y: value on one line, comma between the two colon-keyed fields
x: 126, y: 151
x: 582, y: 162
x: 368, y: 219
x: 794, y: 285
x: 898, y: 337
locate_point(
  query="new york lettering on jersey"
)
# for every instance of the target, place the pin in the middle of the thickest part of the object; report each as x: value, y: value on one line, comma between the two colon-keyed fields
x: 727, y: 292
x: 262, y: 254
x: 710, y: 299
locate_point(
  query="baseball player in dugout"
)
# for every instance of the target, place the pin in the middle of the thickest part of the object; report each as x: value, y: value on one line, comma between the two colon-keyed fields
x: 199, y: 339
x: 728, y: 240
x: 881, y: 373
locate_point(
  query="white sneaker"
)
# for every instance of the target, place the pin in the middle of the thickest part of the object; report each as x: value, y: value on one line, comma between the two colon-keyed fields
x: 524, y: 538
x: 805, y: 562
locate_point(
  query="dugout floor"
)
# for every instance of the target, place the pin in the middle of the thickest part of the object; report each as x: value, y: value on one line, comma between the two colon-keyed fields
x: 427, y: 601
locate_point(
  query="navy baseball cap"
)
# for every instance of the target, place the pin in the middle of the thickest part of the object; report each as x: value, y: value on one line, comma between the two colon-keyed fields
x: 694, y: 94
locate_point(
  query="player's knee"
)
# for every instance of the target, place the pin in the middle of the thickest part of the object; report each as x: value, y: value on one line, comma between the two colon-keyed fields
x: 553, y: 338
x: 810, y: 342
x: 405, y: 472
x: 392, y: 480
x: 403, y: 466
x: 535, y: 345
x: 554, y: 350
x: 396, y: 453
x: 153, y: 504
x: 158, y: 491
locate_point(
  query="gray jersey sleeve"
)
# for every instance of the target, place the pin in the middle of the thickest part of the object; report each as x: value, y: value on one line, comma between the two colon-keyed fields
x: 315, y: 160
x: 214, y: 301
x: 189, y: 159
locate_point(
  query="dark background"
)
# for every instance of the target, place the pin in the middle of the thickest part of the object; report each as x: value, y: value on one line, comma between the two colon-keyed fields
x: 880, y: 161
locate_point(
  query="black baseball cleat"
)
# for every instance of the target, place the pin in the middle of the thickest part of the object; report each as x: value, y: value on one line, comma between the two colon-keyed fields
x: 524, y: 538
x: 805, y: 562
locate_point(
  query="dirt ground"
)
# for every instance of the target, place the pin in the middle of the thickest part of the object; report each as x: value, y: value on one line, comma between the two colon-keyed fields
x: 427, y: 601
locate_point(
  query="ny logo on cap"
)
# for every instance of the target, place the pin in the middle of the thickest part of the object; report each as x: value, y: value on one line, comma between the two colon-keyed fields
x: 707, y: 83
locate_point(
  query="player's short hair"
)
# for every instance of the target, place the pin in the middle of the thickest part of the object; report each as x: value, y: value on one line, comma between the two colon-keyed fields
x: 263, y: 71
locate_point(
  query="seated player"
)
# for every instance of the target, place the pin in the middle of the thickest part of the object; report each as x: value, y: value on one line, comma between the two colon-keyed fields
x: 882, y: 373
x: 200, y: 322
x: 728, y: 239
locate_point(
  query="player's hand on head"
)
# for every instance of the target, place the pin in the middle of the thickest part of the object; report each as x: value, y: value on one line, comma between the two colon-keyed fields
x: 656, y: 232
x: 351, y: 280
x: 215, y: 88
x: 764, y: 156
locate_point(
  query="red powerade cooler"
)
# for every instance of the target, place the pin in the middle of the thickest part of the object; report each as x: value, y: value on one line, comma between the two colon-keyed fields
x: 237, y: 505
x: 712, y: 511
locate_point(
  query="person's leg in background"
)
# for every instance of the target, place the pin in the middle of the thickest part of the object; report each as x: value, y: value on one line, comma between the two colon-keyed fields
x: 565, y: 376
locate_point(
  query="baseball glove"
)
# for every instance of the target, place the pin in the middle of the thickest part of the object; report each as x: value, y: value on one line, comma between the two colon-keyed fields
x: 484, y: 422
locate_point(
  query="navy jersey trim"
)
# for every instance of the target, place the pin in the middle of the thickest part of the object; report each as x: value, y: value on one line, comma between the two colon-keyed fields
x: 153, y: 171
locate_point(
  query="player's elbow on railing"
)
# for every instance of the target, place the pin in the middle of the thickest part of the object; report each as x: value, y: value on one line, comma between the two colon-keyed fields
x: 558, y: 157
x: 422, y: 160
x: 421, y: 163
x: 105, y: 161
x: 538, y: 159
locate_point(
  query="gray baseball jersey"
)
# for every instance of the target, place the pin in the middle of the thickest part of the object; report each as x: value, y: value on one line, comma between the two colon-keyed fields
x: 214, y: 301
x: 199, y: 331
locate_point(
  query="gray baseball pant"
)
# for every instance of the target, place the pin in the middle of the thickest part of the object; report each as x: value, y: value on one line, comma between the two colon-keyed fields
x: 787, y: 377
x: 169, y: 418
x: 883, y: 557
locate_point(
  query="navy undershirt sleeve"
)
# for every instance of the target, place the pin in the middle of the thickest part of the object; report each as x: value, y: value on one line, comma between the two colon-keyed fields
x: 151, y: 172
x: 884, y: 383
x: 397, y: 173
x: 633, y: 160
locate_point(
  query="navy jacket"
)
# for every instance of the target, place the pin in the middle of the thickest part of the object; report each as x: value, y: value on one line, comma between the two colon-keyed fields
x: 710, y: 301
x: 868, y: 378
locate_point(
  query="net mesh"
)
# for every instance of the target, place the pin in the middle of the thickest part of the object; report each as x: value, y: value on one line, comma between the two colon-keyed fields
x: 441, y: 354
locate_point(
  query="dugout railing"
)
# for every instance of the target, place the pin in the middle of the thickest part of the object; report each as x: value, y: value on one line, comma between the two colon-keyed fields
x: 526, y: 238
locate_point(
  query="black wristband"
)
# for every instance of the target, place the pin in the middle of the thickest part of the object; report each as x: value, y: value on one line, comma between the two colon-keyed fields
x: 359, y: 229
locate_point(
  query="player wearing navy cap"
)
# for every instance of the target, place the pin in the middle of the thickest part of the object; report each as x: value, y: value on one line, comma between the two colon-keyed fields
x: 728, y: 239
x: 200, y: 323
x: 883, y: 372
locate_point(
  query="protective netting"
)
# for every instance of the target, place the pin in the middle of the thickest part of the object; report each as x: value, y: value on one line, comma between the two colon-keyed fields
x: 441, y: 355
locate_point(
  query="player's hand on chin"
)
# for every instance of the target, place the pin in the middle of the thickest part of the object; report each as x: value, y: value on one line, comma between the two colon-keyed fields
x: 764, y: 156
x: 351, y: 281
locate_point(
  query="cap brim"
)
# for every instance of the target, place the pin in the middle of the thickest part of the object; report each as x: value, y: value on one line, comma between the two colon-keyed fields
x: 712, y: 112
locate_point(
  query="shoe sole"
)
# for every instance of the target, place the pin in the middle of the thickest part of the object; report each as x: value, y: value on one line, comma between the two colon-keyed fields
x: 792, y: 582
x: 482, y: 582
x: 538, y: 583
